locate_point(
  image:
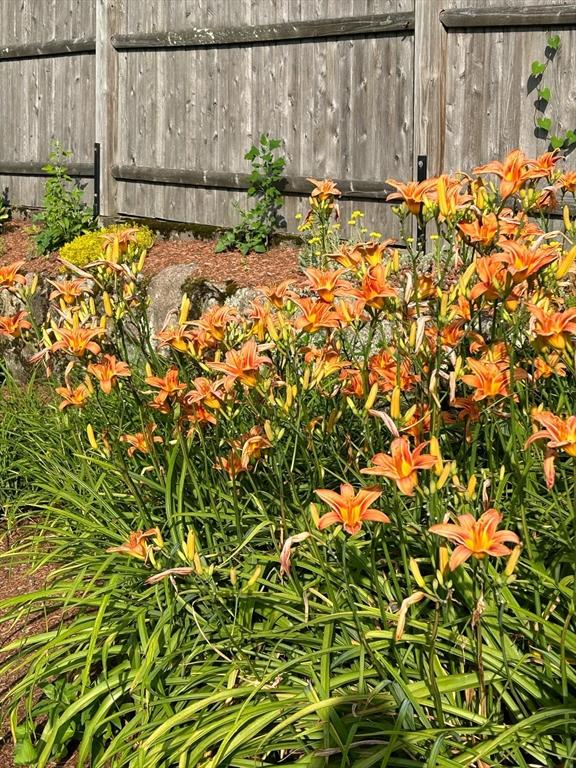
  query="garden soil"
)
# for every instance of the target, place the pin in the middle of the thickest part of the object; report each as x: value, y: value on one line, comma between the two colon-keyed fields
x: 277, y: 264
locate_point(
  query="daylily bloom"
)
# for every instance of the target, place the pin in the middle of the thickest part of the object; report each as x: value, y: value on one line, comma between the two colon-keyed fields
x: 215, y: 321
x: 205, y: 392
x: 413, y: 193
x: 141, y: 441
x: 544, y: 165
x: 545, y: 367
x: 169, y: 385
x: 476, y: 538
x: 523, y: 262
x: 325, y: 283
x: 482, y: 231
x: 350, y: 509
x: 242, y: 364
x: 10, y: 277
x: 316, y: 316
x: 115, y: 244
x: 77, y: 397
x: 488, y: 379
x: 559, y: 432
x: 277, y: 294
x: 567, y: 181
x: 553, y: 329
x: 324, y: 190
x: 513, y: 172
x: 67, y: 290
x: 108, y: 371
x: 76, y: 341
x: 375, y: 289
x: 12, y: 326
x: 402, y: 465
x: 137, y: 546
x: 179, y: 337
x: 389, y: 370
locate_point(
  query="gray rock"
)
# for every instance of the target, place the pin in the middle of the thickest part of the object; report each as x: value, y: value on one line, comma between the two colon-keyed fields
x: 242, y: 298
x: 165, y: 293
x: 204, y: 294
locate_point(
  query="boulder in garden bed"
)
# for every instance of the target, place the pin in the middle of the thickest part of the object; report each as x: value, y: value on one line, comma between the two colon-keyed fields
x: 165, y: 294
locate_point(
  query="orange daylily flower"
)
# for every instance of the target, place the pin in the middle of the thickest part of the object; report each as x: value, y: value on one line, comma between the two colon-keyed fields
x: 179, y: 337
x: 67, y: 290
x: 115, y: 244
x: 476, y: 538
x: 141, y: 441
x: 242, y: 364
x: 389, y: 371
x: 77, y: 397
x: 559, y: 432
x: 108, y: 371
x: 349, y: 311
x: 523, y: 262
x: 12, y: 326
x: 375, y: 289
x: 553, y: 329
x: 205, y: 392
x: 488, y: 379
x: 263, y: 320
x: 316, y: 316
x: 215, y: 321
x: 325, y: 283
x: 137, y: 546
x: 493, y: 280
x: 402, y: 465
x: 323, y: 191
x: 169, y: 385
x: 277, y: 294
x: 353, y: 382
x: 10, y: 277
x: 567, y: 181
x: 350, y: 509
x: 544, y: 165
x: 550, y: 366
x: 513, y: 172
x: 76, y: 341
x: 482, y: 231
x: 412, y: 194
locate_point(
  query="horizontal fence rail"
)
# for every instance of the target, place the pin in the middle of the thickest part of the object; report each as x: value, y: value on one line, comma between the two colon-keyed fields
x: 17, y: 168
x: 49, y: 48
x: 505, y: 16
x: 247, y: 35
x: 299, y: 185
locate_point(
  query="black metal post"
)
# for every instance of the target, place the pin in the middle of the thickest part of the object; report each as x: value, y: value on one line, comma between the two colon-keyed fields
x: 96, y: 204
x: 422, y: 173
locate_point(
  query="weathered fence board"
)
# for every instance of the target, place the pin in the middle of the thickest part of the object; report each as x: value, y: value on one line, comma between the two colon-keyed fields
x: 176, y: 92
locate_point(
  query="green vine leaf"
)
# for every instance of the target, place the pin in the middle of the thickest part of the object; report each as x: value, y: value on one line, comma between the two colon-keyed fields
x: 537, y: 68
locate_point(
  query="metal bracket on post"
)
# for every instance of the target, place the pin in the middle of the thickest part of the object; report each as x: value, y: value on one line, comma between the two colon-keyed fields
x: 422, y: 173
x: 96, y: 198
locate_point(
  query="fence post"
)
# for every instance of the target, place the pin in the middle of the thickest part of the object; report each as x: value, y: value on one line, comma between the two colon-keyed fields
x: 107, y: 14
x: 430, y: 53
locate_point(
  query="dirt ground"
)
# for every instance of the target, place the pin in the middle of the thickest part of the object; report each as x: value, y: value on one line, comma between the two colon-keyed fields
x: 279, y: 263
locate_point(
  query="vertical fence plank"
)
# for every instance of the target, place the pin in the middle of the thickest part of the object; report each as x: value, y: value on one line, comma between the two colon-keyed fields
x: 106, y: 87
x: 430, y: 47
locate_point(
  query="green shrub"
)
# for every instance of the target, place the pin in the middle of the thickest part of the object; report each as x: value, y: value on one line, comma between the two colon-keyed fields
x: 259, y: 222
x: 88, y: 248
x: 64, y: 214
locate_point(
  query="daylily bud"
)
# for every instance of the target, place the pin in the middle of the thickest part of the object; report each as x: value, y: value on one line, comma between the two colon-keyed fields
x: 91, y: 437
x: 513, y: 560
x: 444, y: 559
x: 184, y: 309
x: 233, y: 576
x: 107, y: 303
x: 141, y: 260
x: 416, y: 573
x: 471, y: 488
x: 371, y: 399
x: 566, y: 262
x: 314, y: 513
x: 254, y: 578
x: 446, y: 472
x: 395, y: 403
x: 190, y: 547
x: 566, y: 217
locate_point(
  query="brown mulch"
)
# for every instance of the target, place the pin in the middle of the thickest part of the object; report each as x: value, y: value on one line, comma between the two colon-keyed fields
x: 277, y: 264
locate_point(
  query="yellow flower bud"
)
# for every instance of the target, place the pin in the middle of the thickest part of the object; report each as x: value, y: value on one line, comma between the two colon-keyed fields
x: 91, y: 437
x: 371, y: 399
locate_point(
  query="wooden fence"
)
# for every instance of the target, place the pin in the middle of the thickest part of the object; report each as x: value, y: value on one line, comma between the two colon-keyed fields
x: 176, y: 91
